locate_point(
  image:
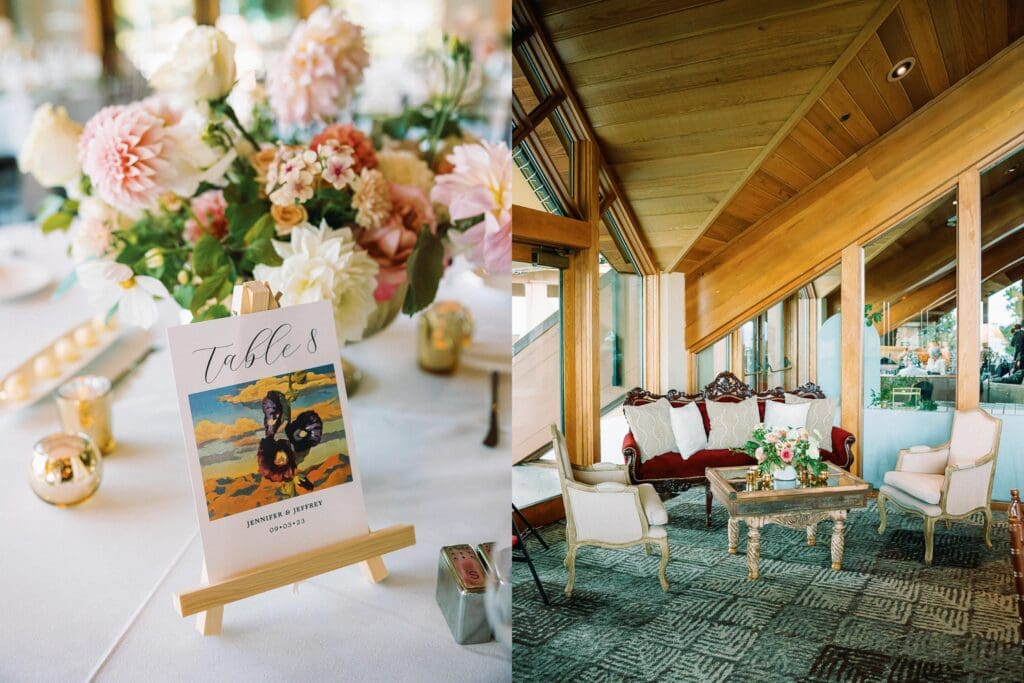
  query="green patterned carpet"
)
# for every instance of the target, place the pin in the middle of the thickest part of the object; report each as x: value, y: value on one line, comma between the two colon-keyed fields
x: 885, y: 617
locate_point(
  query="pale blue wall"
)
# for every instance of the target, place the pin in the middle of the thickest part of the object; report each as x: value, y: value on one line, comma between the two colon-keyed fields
x: 830, y: 341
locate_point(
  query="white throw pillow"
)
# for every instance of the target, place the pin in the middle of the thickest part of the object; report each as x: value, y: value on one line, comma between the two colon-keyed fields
x: 732, y: 424
x: 821, y: 416
x: 778, y: 414
x: 688, y: 429
x: 652, y: 428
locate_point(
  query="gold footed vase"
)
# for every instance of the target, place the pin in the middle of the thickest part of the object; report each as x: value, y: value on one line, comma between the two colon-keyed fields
x: 379, y: 320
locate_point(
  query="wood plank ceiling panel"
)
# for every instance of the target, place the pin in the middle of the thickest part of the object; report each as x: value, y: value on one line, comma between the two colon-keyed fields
x: 947, y: 38
x: 684, y: 96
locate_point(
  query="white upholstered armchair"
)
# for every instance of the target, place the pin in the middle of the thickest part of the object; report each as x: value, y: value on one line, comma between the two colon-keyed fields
x: 603, y: 509
x: 951, y: 481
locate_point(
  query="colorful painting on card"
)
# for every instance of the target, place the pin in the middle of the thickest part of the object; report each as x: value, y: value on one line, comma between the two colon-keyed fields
x: 269, y: 440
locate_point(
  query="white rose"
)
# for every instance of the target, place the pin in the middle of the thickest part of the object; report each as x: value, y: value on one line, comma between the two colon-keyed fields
x: 50, y: 152
x: 202, y: 67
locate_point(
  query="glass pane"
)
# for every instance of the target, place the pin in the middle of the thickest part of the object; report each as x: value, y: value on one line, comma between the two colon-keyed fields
x: 1002, y: 272
x: 712, y: 361
x: 621, y: 318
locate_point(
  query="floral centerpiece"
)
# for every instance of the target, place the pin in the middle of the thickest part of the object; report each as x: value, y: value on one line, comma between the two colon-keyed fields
x: 215, y: 180
x: 780, y: 451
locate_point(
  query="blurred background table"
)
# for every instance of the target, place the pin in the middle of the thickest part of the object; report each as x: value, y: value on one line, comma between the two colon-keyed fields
x: 86, y: 591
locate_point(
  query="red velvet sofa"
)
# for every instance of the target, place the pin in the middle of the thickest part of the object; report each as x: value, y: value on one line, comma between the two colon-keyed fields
x: 669, y: 473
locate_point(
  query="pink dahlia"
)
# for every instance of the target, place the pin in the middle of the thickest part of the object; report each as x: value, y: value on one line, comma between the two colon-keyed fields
x: 786, y: 454
x: 208, y: 217
x: 480, y: 184
x: 321, y: 66
x: 391, y: 243
x: 124, y: 151
x: 345, y: 134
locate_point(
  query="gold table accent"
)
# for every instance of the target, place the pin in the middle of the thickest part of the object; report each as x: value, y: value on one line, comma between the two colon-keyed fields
x: 84, y: 406
x: 787, y: 503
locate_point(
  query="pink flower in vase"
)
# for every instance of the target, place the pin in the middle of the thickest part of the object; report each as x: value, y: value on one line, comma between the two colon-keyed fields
x: 759, y: 454
x: 771, y: 437
x: 209, y: 218
x: 391, y: 243
x: 786, y: 454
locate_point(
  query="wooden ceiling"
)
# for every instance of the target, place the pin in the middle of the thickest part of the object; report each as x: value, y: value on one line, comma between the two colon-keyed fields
x: 712, y: 114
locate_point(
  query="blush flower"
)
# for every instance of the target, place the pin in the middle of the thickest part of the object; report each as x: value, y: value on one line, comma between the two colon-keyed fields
x: 320, y: 69
x: 391, y: 243
x: 93, y: 232
x: 337, y: 164
x: 480, y: 184
x: 292, y: 175
x: 786, y: 454
x: 208, y: 217
x: 348, y: 135
x: 371, y: 198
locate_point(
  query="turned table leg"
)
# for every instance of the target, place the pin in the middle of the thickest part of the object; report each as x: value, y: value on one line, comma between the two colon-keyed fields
x: 838, y: 538
x: 812, y: 534
x: 734, y: 534
x: 753, y: 546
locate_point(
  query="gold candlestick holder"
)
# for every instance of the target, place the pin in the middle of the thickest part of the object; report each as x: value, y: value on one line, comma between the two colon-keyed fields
x: 444, y: 330
x: 84, y: 407
x: 65, y: 469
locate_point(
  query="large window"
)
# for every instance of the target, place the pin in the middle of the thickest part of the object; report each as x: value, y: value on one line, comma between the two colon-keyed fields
x: 621, y: 318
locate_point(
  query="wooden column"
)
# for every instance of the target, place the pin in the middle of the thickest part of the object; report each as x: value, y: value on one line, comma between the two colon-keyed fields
x: 852, y: 355
x: 812, y: 339
x: 652, y: 332
x: 691, y: 372
x: 205, y: 12
x: 581, y: 308
x: 968, y: 289
x: 736, y: 354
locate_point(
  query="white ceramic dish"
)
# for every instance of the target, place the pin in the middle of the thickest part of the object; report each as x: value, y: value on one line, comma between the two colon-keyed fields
x: 20, y: 278
x: 40, y: 387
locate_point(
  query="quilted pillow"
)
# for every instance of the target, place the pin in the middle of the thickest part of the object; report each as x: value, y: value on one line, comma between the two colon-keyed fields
x: 688, y: 429
x: 652, y: 428
x: 778, y: 414
x: 732, y: 424
x: 821, y: 416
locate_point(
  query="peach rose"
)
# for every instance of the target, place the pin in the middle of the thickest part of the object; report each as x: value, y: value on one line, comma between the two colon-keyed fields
x: 287, y: 217
x: 261, y: 161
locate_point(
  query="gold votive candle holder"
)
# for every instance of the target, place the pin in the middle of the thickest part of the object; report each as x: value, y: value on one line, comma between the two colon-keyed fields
x: 65, y: 469
x: 444, y: 330
x: 84, y: 406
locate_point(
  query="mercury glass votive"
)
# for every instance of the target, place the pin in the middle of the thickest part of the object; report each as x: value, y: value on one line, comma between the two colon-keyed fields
x: 444, y: 330
x: 84, y: 406
x: 65, y: 469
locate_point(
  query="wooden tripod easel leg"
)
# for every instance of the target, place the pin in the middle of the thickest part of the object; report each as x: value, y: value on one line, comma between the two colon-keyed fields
x: 209, y: 622
x: 374, y: 569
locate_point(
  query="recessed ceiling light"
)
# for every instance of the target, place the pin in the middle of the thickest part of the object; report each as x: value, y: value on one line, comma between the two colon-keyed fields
x: 845, y: 117
x: 954, y: 202
x: 901, y: 69
x: 1011, y: 169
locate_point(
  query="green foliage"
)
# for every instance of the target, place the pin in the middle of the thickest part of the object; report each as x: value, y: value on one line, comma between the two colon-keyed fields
x: 56, y: 213
x: 424, y: 268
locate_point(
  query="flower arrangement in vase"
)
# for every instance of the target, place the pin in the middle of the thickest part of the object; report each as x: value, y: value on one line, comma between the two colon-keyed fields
x: 215, y: 180
x: 780, y: 451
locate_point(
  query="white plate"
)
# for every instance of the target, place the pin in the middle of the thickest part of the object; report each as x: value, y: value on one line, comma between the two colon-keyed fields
x: 20, y: 278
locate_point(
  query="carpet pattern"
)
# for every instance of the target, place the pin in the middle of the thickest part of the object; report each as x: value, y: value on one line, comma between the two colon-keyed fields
x: 885, y: 617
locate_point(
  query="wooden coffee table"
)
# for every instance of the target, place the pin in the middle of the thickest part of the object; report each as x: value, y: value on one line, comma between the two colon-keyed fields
x: 789, y: 504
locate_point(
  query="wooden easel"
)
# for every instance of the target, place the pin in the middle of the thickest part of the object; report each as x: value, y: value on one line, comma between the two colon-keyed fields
x: 208, y: 600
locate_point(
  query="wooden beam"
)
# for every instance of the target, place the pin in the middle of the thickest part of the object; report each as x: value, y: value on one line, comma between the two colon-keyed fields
x: 581, y: 303
x: 968, y: 290
x: 520, y: 34
x: 736, y: 354
x: 652, y: 332
x: 205, y: 12
x: 607, y: 201
x: 548, y: 63
x: 537, y: 116
x: 852, y: 358
x: 867, y: 31
x: 539, y: 227
x: 889, y: 180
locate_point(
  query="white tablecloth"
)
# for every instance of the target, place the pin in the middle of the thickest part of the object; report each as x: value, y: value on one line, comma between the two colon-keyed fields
x: 86, y: 591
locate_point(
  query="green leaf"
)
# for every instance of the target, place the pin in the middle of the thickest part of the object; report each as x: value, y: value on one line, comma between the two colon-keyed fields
x: 56, y: 221
x: 212, y: 313
x: 211, y: 287
x: 262, y: 251
x: 65, y: 285
x: 50, y: 205
x: 184, y: 294
x: 464, y: 224
x: 425, y: 268
x: 208, y: 256
x: 262, y: 229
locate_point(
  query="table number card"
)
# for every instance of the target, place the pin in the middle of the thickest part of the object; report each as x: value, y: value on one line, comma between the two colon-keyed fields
x: 267, y: 436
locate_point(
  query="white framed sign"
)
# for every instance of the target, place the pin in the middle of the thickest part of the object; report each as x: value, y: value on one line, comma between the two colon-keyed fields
x: 267, y: 436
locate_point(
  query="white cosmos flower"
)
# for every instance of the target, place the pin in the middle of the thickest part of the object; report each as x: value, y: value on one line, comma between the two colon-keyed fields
x: 110, y: 284
x: 321, y: 264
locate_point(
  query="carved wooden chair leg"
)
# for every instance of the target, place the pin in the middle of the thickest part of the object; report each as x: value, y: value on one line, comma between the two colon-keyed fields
x: 570, y: 562
x: 881, y: 513
x: 663, y: 543
x: 949, y: 524
x: 929, y: 539
x: 707, y: 504
x: 988, y: 528
x: 647, y: 548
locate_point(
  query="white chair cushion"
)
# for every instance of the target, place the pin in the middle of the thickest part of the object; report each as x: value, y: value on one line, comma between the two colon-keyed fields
x: 924, y: 487
x: 652, y: 428
x: 656, y: 531
x: 688, y: 429
x: 653, y: 507
x: 973, y: 436
x: 821, y: 417
x: 778, y: 414
x: 906, y: 500
x: 732, y: 424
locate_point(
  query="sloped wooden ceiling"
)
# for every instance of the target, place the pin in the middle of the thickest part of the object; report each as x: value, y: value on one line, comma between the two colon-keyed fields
x: 948, y: 40
x: 687, y: 96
